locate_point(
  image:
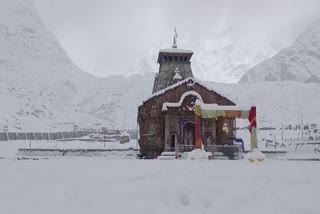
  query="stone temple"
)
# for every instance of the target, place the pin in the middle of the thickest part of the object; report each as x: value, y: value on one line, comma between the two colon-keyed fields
x: 171, y: 61
x: 183, y: 113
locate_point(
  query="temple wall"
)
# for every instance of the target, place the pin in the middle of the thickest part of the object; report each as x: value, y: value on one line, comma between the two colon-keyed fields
x: 166, y: 73
x: 172, y: 124
x: 154, y: 128
x: 209, y: 125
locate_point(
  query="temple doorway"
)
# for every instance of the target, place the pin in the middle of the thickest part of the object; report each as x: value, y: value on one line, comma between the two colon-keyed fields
x: 188, y: 134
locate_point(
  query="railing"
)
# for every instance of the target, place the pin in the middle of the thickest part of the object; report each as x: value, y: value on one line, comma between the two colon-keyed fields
x: 233, y: 152
x: 299, y: 139
x: 8, y: 136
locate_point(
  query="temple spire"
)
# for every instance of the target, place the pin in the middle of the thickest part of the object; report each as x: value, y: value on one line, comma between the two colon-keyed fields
x: 175, y: 39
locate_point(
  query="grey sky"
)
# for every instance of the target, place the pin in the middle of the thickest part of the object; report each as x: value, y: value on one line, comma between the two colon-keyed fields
x: 107, y: 37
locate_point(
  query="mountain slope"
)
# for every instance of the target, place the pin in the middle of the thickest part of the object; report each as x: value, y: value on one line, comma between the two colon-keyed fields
x: 40, y: 87
x: 299, y: 62
x: 277, y: 102
x: 37, y: 78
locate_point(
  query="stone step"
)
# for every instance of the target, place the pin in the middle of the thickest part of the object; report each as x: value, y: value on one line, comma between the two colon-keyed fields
x: 168, y: 154
x: 220, y: 158
x: 166, y: 157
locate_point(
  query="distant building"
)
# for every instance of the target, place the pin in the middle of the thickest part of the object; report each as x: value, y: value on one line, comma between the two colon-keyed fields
x: 168, y: 121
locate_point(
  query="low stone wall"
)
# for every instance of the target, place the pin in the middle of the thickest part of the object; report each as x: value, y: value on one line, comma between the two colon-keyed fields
x: 6, y: 136
x: 120, y: 153
x: 21, y: 136
x: 3, y: 136
x: 12, y: 136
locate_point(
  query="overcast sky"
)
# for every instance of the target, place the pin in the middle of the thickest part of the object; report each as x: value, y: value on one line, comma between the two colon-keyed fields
x: 106, y: 37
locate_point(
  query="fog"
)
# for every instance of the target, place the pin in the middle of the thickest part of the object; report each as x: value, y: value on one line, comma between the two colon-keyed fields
x: 108, y: 37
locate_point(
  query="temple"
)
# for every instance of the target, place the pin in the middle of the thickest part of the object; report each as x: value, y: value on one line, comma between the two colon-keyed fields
x: 183, y: 113
x: 172, y: 61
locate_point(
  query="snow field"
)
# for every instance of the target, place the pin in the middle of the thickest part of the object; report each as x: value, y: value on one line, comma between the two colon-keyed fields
x: 140, y: 186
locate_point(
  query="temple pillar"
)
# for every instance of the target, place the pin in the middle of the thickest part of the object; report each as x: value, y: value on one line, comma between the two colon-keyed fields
x: 198, y: 143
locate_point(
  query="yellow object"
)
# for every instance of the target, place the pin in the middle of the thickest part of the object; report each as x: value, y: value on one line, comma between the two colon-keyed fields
x: 251, y: 160
x: 198, y: 111
x: 254, y: 141
x: 260, y: 159
x: 209, y: 114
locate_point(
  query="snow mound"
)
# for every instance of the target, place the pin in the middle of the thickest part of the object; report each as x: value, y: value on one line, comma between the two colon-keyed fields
x: 124, y: 133
x: 255, y: 155
x: 198, y: 154
x: 125, y: 137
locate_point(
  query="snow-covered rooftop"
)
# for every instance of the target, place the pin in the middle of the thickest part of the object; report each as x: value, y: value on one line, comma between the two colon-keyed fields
x: 177, y: 77
x: 206, y: 106
x: 167, y: 104
x: 182, y: 82
x: 175, y: 50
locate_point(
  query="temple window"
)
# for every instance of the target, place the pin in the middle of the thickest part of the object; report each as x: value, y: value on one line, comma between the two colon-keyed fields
x: 173, y: 140
x: 207, y: 138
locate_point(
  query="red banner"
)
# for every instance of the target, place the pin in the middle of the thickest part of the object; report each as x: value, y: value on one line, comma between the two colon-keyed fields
x: 252, y: 118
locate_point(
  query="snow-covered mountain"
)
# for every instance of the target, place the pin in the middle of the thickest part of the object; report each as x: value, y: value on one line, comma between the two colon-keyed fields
x: 299, y: 62
x: 114, y: 102
x: 226, y: 57
x: 40, y: 87
x: 37, y: 77
x: 277, y: 102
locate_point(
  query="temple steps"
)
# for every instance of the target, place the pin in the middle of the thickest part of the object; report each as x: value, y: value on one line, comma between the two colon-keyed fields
x: 167, y: 156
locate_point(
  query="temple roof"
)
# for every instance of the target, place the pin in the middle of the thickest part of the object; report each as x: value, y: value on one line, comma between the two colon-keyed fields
x: 176, y: 50
x: 190, y: 82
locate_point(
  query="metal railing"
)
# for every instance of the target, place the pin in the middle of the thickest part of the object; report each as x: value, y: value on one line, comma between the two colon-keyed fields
x: 8, y: 136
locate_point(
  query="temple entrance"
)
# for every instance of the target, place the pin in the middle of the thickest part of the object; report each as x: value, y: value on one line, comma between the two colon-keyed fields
x: 188, y: 137
x: 173, y: 140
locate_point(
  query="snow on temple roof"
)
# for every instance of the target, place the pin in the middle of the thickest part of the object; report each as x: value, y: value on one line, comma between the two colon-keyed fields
x: 205, y: 106
x: 186, y: 80
x: 193, y: 93
x: 175, y: 50
x: 177, y: 76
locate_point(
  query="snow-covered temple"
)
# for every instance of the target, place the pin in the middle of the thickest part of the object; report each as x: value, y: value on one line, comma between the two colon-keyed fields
x: 182, y: 113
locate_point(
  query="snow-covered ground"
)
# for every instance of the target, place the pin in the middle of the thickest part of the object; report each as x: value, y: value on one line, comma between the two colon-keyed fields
x: 153, y: 186
x: 9, y: 149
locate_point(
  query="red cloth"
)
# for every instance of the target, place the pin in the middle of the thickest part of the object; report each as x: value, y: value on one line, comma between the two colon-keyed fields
x: 252, y: 117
